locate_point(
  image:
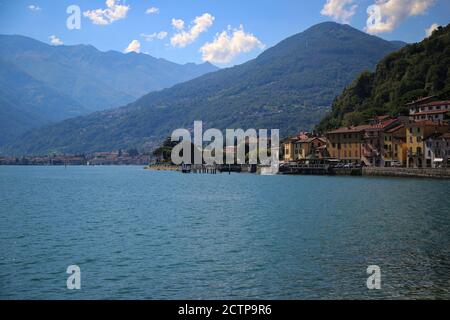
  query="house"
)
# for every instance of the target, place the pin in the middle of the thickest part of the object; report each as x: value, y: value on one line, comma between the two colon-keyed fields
x: 379, y: 143
x: 429, y: 109
x: 395, y: 148
x: 346, y: 143
x: 288, y: 146
x: 437, y: 150
x: 308, y: 148
x: 417, y: 132
x: 373, y: 151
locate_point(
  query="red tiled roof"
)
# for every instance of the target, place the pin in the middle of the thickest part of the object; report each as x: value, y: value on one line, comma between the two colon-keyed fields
x: 428, y: 123
x: 396, y: 128
x: 435, y: 103
x: 356, y: 129
x: 420, y: 100
x: 383, y: 125
x: 424, y: 113
x: 308, y: 140
x: 381, y: 118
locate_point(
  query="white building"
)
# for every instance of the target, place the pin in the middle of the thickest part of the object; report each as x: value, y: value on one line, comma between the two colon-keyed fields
x: 437, y: 150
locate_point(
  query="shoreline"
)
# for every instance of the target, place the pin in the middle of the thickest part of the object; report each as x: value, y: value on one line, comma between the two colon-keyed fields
x: 427, y: 173
x: 162, y: 168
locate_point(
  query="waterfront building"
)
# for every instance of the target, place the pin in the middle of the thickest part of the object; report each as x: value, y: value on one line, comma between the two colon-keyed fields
x: 395, y: 148
x: 437, y: 150
x: 373, y: 151
x: 311, y: 147
x: 288, y: 146
x: 380, y: 143
x: 429, y: 110
x: 417, y: 132
x: 346, y: 143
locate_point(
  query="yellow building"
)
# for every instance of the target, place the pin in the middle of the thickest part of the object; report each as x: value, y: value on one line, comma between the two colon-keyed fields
x: 395, y: 147
x: 288, y: 149
x: 345, y: 144
x: 309, y: 148
x: 416, y: 134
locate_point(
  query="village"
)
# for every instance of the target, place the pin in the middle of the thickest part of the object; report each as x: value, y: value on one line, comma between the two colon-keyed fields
x: 420, y: 140
x: 130, y: 157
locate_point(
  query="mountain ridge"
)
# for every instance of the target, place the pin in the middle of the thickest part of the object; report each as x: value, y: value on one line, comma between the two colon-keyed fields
x: 68, y: 81
x: 289, y: 86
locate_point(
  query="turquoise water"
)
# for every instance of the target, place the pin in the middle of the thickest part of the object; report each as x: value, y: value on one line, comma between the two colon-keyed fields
x: 139, y: 234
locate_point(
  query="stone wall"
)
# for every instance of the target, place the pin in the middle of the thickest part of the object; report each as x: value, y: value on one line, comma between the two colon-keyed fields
x: 442, y: 173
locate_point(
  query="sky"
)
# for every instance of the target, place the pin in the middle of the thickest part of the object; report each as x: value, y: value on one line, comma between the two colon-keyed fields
x: 223, y: 32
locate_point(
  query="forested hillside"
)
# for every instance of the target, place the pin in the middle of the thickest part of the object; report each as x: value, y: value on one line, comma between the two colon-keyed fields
x: 418, y: 70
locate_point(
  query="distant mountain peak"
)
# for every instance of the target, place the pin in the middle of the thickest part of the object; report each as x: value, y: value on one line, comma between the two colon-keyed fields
x: 289, y: 86
x: 51, y: 83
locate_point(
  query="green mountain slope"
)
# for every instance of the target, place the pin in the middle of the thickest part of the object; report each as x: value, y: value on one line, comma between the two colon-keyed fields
x: 418, y: 70
x: 27, y: 103
x: 289, y: 86
x: 97, y: 80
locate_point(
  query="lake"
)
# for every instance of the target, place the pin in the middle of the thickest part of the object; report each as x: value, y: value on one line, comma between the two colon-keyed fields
x: 140, y: 234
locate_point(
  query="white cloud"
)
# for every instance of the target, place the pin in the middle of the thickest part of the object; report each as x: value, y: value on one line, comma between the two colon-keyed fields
x: 228, y: 44
x: 55, y: 41
x: 33, y: 7
x: 152, y: 10
x: 200, y: 24
x: 386, y: 15
x: 134, y: 46
x: 429, y: 31
x: 156, y: 35
x: 339, y: 10
x: 178, y: 24
x: 113, y: 12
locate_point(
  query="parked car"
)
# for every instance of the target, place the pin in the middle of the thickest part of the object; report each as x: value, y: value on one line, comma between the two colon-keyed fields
x: 396, y: 164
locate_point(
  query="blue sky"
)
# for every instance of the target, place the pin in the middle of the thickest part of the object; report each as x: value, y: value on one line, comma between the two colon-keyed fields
x: 227, y: 32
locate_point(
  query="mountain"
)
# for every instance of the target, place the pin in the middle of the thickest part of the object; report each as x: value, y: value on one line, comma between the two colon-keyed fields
x: 289, y: 86
x: 97, y: 80
x: 40, y: 83
x: 26, y: 103
x: 418, y: 70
